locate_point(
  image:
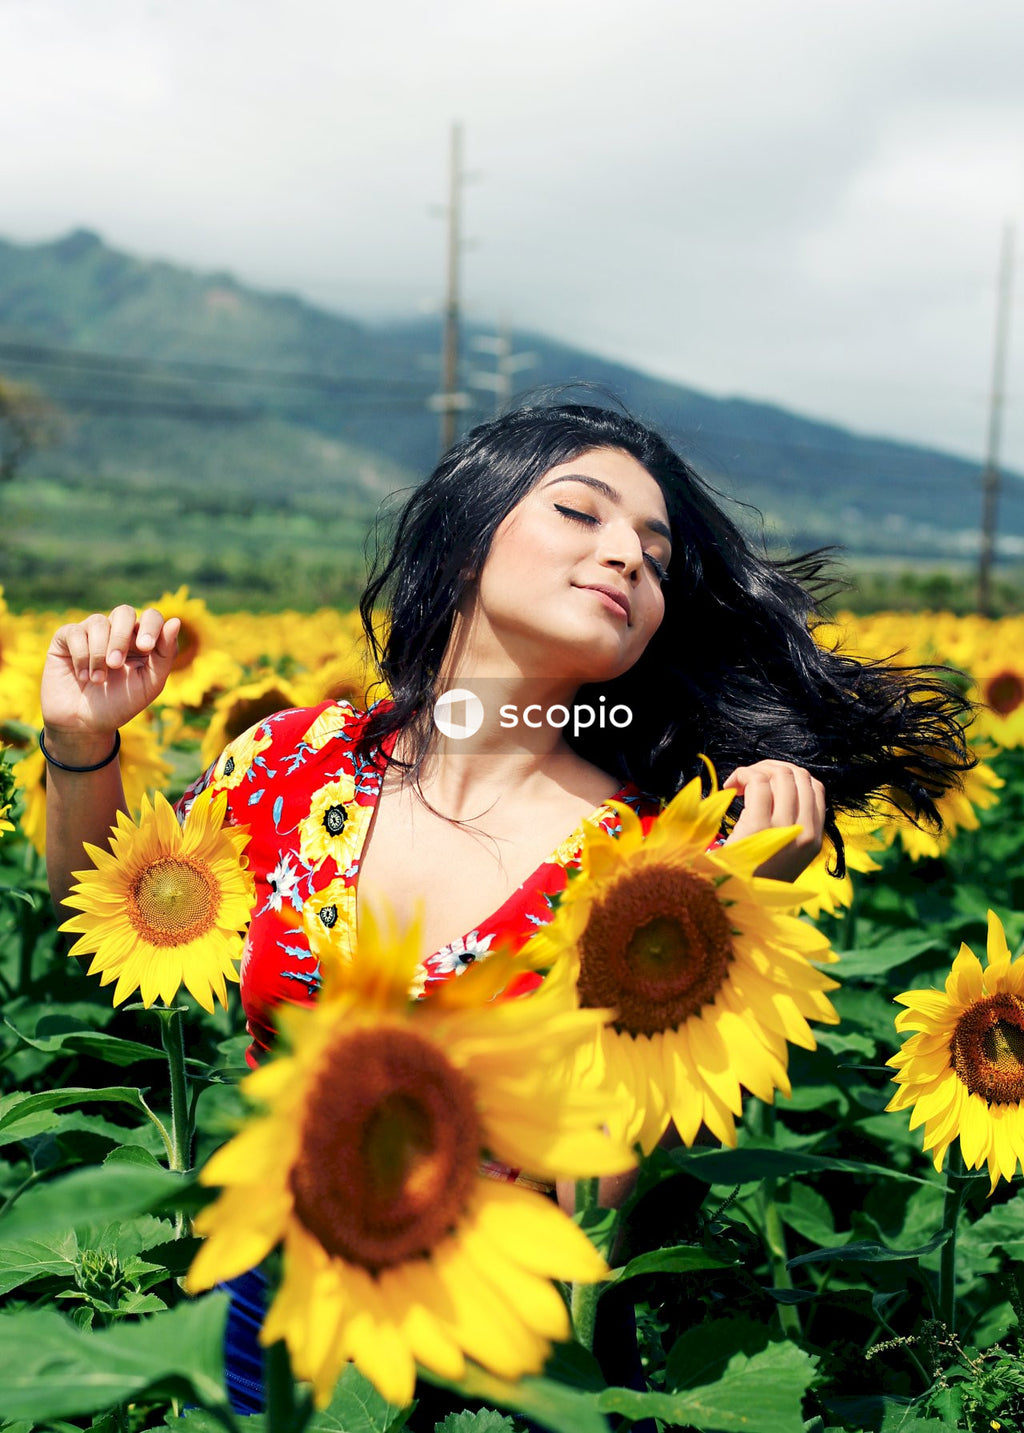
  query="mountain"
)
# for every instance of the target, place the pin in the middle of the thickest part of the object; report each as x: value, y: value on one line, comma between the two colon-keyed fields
x: 252, y: 433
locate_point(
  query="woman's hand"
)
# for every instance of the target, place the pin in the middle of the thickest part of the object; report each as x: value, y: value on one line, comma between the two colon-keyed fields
x: 776, y: 793
x: 100, y: 673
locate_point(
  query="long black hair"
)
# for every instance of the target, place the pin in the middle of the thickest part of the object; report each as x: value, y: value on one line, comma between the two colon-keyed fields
x: 734, y: 671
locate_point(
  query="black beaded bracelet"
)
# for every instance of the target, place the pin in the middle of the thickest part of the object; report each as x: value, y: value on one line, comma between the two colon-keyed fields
x: 96, y: 766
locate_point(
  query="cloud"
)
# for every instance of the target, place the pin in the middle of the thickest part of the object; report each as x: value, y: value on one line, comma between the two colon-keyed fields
x: 798, y: 201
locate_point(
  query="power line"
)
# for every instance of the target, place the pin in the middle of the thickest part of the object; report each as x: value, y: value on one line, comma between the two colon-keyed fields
x: 147, y: 369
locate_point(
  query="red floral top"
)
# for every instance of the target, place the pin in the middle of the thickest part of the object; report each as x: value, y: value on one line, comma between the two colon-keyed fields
x: 296, y: 781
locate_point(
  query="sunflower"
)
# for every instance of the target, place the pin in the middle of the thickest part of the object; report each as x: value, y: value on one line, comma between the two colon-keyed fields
x: 963, y: 1071
x: 235, y: 712
x: 366, y: 1163
x: 1001, y: 696
x: 832, y: 894
x: 708, y: 972
x: 202, y: 664
x: 165, y: 905
x: 344, y: 677
x: 958, y: 808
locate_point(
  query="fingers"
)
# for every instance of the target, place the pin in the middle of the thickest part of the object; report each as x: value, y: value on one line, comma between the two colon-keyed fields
x: 100, y: 644
x: 121, y: 630
x: 777, y: 793
x: 166, y: 643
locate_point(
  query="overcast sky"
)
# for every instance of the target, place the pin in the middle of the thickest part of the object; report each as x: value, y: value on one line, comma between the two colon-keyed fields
x: 793, y: 200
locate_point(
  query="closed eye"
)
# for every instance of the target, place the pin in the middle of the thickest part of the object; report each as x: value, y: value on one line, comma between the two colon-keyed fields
x: 588, y: 520
x: 656, y: 567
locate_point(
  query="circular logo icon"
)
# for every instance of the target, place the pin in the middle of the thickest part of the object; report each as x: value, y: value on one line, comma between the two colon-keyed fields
x: 458, y: 713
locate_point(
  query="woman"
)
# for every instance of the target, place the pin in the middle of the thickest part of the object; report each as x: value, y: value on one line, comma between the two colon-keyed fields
x: 606, y: 625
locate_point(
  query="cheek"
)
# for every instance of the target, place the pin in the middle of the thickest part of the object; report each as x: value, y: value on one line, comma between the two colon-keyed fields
x: 655, y: 615
x: 521, y: 550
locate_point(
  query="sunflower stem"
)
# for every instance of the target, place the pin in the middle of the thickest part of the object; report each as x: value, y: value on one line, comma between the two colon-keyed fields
x: 172, y: 1034
x: 775, y: 1234
x: 583, y: 1302
x: 285, y: 1413
x: 956, y: 1187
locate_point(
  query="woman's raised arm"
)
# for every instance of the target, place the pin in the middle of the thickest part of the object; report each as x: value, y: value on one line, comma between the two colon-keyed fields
x: 98, y: 675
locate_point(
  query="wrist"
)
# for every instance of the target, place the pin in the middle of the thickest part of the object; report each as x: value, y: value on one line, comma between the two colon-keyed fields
x: 77, y: 748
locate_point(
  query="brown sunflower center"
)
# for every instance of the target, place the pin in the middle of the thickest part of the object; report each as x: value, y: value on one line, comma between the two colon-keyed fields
x: 988, y: 1049
x: 188, y: 647
x: 656, y: 948
x: 1004, y: 692
x: 173, y: 900
x: 247, y: 713
x: 390, y: 1149
x: 345, y: 689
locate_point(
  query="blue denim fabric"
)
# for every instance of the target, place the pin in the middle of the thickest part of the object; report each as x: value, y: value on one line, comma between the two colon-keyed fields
x: 243, y: 1355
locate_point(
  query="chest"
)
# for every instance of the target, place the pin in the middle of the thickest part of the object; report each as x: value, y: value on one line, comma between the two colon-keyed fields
x: 454, y: 877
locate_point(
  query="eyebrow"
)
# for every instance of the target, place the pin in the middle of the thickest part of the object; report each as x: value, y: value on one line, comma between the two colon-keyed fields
x: 653, y: 524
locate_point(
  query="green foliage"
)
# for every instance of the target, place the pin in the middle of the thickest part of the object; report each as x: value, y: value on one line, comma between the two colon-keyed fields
x: 485, y: 1420
x: 789, y: 1284
x: 49, y: 1368
x: 241, y: 442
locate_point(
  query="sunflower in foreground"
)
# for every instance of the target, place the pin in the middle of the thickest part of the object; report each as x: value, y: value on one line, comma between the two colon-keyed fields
x: 963, y: 1071
x: 398, y: 1249
x: 166, y: 905
x: 709, y: 973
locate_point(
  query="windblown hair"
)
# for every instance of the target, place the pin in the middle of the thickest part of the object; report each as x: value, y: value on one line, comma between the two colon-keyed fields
x: 733, y: 673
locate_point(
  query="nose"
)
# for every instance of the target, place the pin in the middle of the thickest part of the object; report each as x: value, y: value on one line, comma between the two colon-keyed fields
x: 622, y: 549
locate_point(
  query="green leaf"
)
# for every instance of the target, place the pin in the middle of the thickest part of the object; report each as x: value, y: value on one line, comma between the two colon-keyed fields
x: 357, y: 1407
x: 701, y: 1354
x: 571, y: 1364
x: 551, y: 1404
x: 877, y: 962
x: 752, y: 1164
x: 51, y: 1369
x: 759, y: 1394
x: 25, y: 1115
x: 866, y: 1251
x: 30, y: 1259
x: 92, y: 1196
x: 1000, y: 1230
x: 111, y: 1048
x: 133, y: 1154
x: 485, y: 1420
x: 678, y: 1259
x: 806, y: 1211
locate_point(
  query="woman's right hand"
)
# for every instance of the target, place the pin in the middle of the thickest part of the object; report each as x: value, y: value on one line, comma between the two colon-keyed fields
x: 102, y: 672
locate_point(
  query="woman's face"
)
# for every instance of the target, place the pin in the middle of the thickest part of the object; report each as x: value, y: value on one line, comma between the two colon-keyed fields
x: 571, y: 584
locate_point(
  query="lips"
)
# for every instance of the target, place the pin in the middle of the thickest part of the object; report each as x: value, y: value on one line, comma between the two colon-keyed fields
x: 619, y: 598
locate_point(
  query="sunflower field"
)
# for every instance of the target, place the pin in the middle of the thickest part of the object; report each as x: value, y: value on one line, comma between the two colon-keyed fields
x: 835, y: 1241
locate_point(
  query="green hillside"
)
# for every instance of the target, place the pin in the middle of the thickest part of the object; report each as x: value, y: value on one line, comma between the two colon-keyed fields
x: 242, y: 441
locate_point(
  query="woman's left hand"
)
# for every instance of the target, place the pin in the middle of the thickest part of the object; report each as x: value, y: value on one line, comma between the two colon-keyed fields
x: 776, y: 793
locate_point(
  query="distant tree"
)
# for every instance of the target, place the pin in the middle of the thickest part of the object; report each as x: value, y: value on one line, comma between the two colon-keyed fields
x: 28, y: 421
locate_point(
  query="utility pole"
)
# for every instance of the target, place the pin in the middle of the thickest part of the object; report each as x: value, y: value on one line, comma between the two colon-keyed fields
x: 450, y: 399
x: 990, y: 476
x: 506, y: 364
